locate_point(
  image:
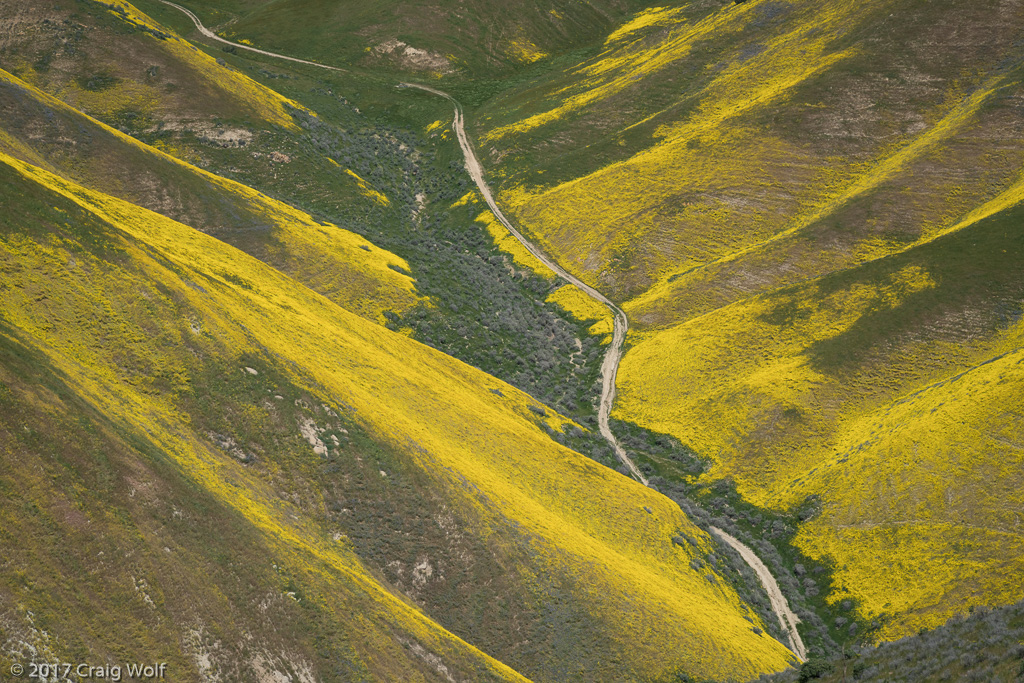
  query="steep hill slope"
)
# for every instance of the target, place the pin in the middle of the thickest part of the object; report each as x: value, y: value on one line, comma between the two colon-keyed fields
x: 988, y: 645
x: 810, y: 213
x: 434, y: 37
x: 41, y: 129
x: 774, y: 145
x: 889, y: 391
x: 115, y: 553
x: 371, y: 160
x: 175, y: 347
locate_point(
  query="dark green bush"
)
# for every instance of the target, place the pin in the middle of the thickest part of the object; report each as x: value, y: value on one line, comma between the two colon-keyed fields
x: 814, y: 668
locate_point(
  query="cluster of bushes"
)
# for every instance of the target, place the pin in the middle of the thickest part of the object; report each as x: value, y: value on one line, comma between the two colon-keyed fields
x: 987, y: 645
x: 480, y: 312
x: 674, y: 469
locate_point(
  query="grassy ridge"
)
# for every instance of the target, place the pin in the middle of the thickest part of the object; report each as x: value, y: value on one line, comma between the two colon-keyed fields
x: 335, y: 262
x: 809, y: 213
x: 887, y: 391
x: 583, y: 524
x: 475, y: 38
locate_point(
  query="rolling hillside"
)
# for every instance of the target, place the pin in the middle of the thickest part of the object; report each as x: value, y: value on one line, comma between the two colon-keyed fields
x: 282, y: 400
x: 810, y: 212
x: 185, y: 356
x: 434, y: 38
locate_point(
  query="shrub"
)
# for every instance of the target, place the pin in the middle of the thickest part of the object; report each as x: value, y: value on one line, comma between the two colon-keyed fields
x: 814, y: 668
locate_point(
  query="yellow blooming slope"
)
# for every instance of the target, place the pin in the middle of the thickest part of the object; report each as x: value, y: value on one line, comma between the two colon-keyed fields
x: 585, y: 523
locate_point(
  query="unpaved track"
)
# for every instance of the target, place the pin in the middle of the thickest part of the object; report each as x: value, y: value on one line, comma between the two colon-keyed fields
x: 213, y: 36
x: 787, y: 620
x: 610, y: 366
x: 612, y: 357
x: 609, y: 369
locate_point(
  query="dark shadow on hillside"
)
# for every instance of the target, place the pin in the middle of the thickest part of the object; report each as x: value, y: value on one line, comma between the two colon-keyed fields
x: 978, y: 290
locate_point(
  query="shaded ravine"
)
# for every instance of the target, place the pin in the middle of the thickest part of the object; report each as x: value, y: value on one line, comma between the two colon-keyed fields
x: 609, y: 369
x: 610, y: 365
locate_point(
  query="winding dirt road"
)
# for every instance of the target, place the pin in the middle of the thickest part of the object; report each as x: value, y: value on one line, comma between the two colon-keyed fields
x: 612, y: 357
x: 213, y: 36
x: 609, y: 368
x: 787, y: 620
x: 610, y: 365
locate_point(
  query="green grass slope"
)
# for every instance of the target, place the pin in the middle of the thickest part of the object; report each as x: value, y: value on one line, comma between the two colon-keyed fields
x: 142, y: 332
x: 429, y: 37
x: 810, y: 212
x: 41, y: 129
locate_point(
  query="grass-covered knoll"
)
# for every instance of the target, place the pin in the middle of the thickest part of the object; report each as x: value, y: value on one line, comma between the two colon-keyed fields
x: 889, y: 391
x: 130, y: 308
x: 430, y: 37
x: 986, y: 646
